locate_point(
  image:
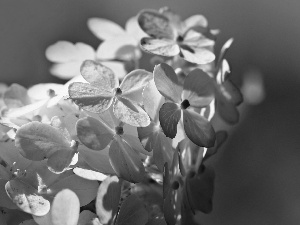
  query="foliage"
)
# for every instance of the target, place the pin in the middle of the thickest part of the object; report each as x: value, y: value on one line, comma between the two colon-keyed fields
x: 118, y: 144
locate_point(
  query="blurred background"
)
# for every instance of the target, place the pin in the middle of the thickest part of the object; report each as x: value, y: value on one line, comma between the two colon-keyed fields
x: 258, y: 169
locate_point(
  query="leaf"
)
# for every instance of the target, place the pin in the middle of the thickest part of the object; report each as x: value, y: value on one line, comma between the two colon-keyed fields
x: 93, y: 133
x: 65, y: 208
x: 156, y: 25
x: 107, y: 201
x: 84, y: 189
x: 26, y: 198
x: 62, y: 51
x: 130, y: 113
x: 99, y: 76
x: 198, y: 88
x: 134, y: 83
x: 152, y: 100
x: 198, y: 129
x: 199, y: 189
x: 167, y: 82
x: 104, y: 29
x: 90, y: 98
x: 89, y: 174
x: 169, y: 116
x: 126, y: 161
x: 16, y: 96
x: 132, y: 212
x: 163, y: 47
x: 37, y: 141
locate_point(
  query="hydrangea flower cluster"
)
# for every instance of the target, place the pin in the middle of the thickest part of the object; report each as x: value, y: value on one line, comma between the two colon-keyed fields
x: 118, y: 144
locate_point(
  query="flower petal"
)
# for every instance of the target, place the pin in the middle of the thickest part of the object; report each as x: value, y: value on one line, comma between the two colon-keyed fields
x: 195, y: 21
x: 104, y: 29
x: 133, y: 84
x: 169, y: 116
x: 162, y: 47
x: 66, y: 70
x: 65, y: 208
x: 122, y: 47
x: 156, y: 25
x: 133, y: 28
x: 62, y: 51
x: 16, y: 96
x: 198, y: 88
x: 93, y: 133
x: 167, y: 82
x: 198, y: 129
x: 98, y: 75
x: 118, y: 68
x: 90, y: 98
x: 126, y: 162
x: 26, y: 198
x: 152, y: 100
x: 130, y: 113
x: 197, y: 55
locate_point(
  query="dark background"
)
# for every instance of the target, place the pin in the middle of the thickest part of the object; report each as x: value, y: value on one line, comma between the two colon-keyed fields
x: 258, y: 170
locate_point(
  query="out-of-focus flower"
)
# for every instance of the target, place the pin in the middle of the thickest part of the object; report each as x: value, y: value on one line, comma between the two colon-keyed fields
x: 170, y: 36
x: 118, y: 43
x: 68, y: 57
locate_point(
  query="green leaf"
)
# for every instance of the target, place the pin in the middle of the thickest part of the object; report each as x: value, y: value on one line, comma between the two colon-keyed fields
x: 156, y: 25
x: 198, y: 129
x: 99, y: 76
x: 163, y: 47
x: 167, y: 82
x: 132, y: 212
x: 65, y: 208
x: 126, y: 161
x: 93, y: 133
x: 107, y: 201
x: 90, y: 98
x: 152, y: 100
x: 198, y: 88
x: 169, y: 116
x: 130, y: 113
x: 199, y: 189
x: 133, y: 84
x: 26, y: 198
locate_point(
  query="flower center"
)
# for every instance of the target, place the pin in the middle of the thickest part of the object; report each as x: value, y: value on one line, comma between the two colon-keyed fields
x: 118, y: 91
x: 185, y: 104
x: 119, y: 130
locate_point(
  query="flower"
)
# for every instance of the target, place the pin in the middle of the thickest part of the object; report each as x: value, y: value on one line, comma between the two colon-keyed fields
x: 169, y: 36
x: 68, y: 57
x: 103, y: 90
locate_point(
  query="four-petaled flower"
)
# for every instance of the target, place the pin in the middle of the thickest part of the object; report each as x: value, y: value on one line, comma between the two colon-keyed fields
x: 196, y: 92
x: 103, y: 90
x: 169, y: 36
